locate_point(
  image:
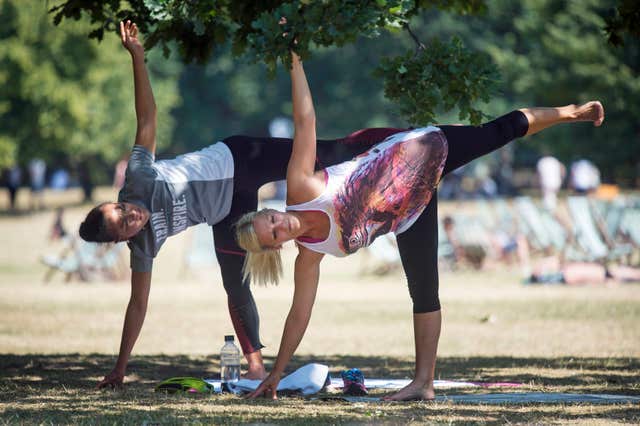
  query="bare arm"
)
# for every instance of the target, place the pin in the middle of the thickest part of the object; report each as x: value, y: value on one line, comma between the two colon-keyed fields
x: 144, y: 101
x: 133, y: 320
x: 303, y: 154
x: 307, y: 273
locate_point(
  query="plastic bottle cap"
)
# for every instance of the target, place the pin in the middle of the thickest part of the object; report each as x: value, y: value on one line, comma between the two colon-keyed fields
x: 229, y: 338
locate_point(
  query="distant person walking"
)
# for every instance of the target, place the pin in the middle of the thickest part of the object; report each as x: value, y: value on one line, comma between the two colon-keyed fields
x: 585, y: 176
x: 13, y: 181
x: 58, y: 230
x: 37, y: 173
x: 551, y: 173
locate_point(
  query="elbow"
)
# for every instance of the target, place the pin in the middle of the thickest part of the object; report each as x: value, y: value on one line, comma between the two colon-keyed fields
x: 305, y: 120
x: 299, y: 317
x: 139, y: 306
x: 300, y: 314
x: 148, y: 120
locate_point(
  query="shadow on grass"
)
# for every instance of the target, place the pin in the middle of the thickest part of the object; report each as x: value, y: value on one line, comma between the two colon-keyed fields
x: 61, y: 389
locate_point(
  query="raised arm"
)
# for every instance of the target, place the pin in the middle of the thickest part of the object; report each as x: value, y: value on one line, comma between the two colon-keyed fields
x: 306, y: 275
x: 145, y: 104
x: 303, y: 154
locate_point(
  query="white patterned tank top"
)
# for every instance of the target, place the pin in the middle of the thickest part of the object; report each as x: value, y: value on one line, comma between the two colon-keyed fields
x: 382, y: 190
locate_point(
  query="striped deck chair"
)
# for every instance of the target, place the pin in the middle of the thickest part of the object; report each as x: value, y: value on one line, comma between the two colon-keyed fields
x: 534, y: 228
x: 630, y: 224
x: 587, y: 234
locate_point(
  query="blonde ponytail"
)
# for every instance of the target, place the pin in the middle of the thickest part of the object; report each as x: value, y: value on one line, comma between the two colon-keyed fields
x: 262, y: 265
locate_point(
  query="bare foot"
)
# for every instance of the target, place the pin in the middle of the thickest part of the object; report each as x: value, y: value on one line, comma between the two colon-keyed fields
x: 413, y: 392
x: 255, y: 366
x: 591, y: 111
x: 258, y: 373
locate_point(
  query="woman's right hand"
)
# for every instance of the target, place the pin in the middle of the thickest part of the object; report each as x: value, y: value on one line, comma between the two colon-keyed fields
x: 112, y: 380
x: 129, y: 36
x: 268, y: 388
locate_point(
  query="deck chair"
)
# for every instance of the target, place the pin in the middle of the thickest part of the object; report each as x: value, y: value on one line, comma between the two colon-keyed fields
x: 444, y: 245
x: 472, y: 235
x: 486, y: 215
x: 505, y: 215
x: 199, y: 253
x: 546, y: 233
x: 85, y: 261
x: 587, y: 235
x: 110, y: 261
x: 608, y: 216
x: 67, y: 262
x: 384, y: 254
x: 533, y: 226
x: 630, y: 224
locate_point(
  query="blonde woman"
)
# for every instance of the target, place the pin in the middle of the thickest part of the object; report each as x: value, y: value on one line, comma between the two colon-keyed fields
x: 389, y: 188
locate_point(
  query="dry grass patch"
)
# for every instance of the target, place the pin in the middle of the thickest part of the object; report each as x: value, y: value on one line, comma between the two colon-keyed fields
x: 58, y: 340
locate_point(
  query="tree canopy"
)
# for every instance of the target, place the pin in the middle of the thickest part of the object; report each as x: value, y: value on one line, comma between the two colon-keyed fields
x: 419, y: 81
x: 64, y: 95
x: 553, y: 52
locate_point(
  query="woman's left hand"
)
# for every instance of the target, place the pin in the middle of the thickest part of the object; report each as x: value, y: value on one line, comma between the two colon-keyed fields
x: 268, y: 387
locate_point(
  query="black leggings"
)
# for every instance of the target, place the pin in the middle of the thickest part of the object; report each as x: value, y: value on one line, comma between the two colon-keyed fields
x: 418, y: 245
x: 261, y: 160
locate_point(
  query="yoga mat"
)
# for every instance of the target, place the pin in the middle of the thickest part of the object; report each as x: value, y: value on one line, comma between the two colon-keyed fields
x: 311, y: 378
x: 440, y: 384
x: 517, y: 398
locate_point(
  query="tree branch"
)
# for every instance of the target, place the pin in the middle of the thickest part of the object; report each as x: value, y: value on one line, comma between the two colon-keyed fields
x: 419, y: 45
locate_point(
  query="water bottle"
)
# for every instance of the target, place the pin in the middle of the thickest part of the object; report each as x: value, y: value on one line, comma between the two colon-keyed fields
x: 229, y: 364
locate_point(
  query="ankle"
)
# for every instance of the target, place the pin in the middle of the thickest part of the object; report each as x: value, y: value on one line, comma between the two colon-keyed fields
x: 255, y: 367
x: 424, y: 383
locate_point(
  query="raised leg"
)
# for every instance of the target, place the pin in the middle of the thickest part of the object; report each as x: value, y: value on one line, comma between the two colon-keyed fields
x: 542, y: 118
x: 466, y: 143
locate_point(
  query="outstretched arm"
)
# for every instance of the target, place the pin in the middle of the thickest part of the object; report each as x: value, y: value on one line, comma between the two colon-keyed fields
x: 145, y: 104
x: 303, y: 154
x: 307, y: 273
x: 133, y: 320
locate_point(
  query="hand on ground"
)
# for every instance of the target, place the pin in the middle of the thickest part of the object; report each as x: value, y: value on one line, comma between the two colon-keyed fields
x: 112, y: 380
x: 267, y: 388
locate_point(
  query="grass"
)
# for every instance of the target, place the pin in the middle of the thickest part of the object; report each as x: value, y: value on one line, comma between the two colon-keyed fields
x: 57, y: 340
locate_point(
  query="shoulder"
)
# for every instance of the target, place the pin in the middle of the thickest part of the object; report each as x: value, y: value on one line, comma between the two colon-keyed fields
x: 306, y: 188
x: 308, y: 256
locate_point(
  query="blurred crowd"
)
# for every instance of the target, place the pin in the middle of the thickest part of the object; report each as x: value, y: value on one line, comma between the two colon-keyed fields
x: 589, y: 234
x: 36, y: 176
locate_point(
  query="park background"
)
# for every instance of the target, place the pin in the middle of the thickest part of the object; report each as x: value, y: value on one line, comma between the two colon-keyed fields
x: 68, y: 99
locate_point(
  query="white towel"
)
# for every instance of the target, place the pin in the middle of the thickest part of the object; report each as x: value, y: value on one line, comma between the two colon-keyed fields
x: 307, y: 380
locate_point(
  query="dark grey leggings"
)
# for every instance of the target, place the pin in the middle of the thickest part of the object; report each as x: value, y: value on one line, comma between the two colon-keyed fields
x: 256, y: 162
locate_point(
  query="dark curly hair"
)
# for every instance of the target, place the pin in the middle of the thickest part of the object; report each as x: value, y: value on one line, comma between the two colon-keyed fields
x: 94, y: 228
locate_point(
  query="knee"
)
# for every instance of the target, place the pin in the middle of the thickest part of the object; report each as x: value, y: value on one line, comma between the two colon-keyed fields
x: 424, y: 296
x: 426, y: 307
x: 512, y: 126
